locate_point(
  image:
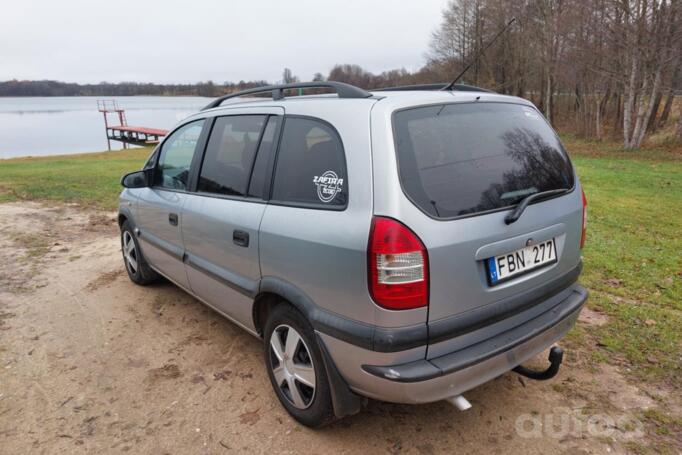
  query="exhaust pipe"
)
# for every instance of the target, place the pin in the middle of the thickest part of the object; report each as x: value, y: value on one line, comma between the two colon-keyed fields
x: 459, y: 402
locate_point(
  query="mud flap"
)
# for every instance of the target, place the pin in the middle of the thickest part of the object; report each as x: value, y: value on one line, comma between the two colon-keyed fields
x: 345, y: 402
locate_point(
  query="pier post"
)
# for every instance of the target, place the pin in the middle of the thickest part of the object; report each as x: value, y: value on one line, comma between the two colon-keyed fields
x: 106, y: 130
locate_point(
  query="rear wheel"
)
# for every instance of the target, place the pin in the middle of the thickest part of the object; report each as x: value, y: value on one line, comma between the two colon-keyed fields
x: 296, y: 368
x: 138, y: 270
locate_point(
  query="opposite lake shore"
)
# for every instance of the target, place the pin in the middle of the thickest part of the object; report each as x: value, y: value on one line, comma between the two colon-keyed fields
x: 42, y: 126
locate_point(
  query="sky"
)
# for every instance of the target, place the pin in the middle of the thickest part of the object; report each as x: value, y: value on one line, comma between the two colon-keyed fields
x: 89, y: 41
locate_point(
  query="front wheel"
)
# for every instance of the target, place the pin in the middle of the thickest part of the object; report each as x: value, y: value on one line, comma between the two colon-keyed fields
x: 138, y: 270
x: 296, y: 368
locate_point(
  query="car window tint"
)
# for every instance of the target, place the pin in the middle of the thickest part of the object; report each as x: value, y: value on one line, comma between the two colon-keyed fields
x: 265, y: 152
x: 230, y: 153
x: 461, y: 159
x: 176, y: 156
x: 151, y: 161
x: 311, y: 166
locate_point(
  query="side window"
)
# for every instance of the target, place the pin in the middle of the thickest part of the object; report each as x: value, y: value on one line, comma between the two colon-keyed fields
x: 311, y: 166
x: 176, y: 156
x: 230, y: 154
x: 151, y: 161
x: 263, y: 158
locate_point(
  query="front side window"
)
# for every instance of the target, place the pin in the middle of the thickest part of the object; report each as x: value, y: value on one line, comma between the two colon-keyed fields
x: 467, y: 158
x: 151, y: 161
x: 230, y: 154
x: 311, y: 166
x: 176, y: 155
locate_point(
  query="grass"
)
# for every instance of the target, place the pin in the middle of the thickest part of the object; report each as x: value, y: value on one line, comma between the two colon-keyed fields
x: 663, y: 150
x: 89, y: 179
x: 36, y: 245
x: 665, y: 424
x: 633, y: 256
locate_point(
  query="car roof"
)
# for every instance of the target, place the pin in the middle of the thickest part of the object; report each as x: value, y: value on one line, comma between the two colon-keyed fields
x: 398, y: 98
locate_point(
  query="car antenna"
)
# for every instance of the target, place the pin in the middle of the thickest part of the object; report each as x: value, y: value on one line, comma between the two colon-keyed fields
x: 479, y: 55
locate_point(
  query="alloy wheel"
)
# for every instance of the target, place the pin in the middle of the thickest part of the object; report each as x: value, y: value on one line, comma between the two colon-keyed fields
x: 130, y: 252
x: 292, y: 366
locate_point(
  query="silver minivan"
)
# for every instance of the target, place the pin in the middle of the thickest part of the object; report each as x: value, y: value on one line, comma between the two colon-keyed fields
x: 403, y: 245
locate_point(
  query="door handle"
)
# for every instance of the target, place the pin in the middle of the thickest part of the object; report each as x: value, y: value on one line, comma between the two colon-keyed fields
x: 240, y: 238
x: 173, y: 219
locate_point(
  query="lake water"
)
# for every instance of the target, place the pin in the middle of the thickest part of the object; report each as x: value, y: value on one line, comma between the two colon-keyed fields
x: 39, y: 126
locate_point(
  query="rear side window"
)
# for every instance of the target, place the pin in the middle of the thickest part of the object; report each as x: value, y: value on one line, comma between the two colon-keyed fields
x: 311, y: 166
x: 230, y: 154
x: 462, y: 159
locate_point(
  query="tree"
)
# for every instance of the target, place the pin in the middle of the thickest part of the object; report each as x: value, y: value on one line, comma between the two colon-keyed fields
x: 652, y: 35
x: 678, y: 133
x: 597, y: 68
x: 288, y: 77
x: 352, y: 74
x: 590, y: 65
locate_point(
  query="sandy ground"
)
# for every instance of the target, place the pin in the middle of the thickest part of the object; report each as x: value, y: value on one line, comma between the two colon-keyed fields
x: 90, y: 362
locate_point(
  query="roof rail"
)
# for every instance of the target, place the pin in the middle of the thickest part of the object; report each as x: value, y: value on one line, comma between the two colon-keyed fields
x: 439, y: 86
x: 342, y: 89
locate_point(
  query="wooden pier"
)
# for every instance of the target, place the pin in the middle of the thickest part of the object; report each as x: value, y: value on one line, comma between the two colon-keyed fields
x: 135, y: 135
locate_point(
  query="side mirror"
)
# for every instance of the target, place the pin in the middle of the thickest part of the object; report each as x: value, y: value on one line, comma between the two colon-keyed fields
x: 139, y: 179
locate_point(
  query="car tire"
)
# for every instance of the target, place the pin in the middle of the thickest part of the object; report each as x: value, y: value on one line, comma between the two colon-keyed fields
x: 294, y: 364
x: 135, y: 264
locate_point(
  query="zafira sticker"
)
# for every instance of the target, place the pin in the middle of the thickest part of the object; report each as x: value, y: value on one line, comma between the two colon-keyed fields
x: 328, y: 185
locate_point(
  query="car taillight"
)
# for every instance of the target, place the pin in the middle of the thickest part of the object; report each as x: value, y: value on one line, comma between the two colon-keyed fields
x: 398, y: 266
x: 584, y: 231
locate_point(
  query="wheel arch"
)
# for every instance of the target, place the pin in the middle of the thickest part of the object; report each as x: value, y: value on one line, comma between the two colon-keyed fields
x: 274, y: 291
x: 123, y: 216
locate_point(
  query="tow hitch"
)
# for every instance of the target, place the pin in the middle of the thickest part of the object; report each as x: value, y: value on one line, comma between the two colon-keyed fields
x: 556, y: 355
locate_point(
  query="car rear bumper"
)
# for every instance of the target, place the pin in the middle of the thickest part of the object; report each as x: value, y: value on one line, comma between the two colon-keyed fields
x: 424, y: 381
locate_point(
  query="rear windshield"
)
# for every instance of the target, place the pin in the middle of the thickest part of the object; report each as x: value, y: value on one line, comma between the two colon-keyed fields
x: 461, y: 159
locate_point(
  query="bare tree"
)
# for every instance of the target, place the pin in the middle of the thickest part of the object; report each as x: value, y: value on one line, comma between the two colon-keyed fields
x: 288, y: 76
x: 590, y: 65
x: 653, y: 37
x: 352, y: 74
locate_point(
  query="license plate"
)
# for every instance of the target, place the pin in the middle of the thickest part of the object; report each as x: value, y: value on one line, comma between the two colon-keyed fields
x: 506, y: 266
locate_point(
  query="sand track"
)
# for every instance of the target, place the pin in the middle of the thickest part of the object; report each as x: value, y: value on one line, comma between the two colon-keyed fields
x: 89, y: 362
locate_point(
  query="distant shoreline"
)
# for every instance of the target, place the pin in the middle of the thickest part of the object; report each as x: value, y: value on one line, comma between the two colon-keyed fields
x: 39, y: 126
x: 47, y: 88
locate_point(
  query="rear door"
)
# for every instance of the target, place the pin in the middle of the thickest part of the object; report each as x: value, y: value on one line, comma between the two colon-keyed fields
x: 221, y: 219
x: 312, y: 232
x: 159, y: 211
x: 465, y: 166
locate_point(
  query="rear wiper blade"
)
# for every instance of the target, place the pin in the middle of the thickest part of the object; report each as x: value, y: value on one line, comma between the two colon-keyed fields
x: 518, y: 211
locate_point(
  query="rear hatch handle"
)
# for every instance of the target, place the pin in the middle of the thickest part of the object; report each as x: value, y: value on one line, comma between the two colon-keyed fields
x: 518, y: 211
